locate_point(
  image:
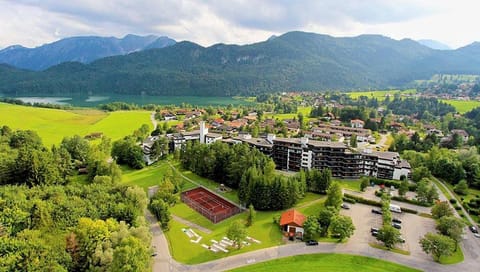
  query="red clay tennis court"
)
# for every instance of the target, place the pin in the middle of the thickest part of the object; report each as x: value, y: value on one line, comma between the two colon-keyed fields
x: 209, y: 204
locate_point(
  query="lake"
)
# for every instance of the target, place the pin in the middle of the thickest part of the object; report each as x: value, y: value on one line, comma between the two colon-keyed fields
x: 92, y: 101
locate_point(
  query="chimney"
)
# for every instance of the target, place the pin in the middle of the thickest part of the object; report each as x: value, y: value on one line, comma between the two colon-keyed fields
x: 304, y: 140
x: 203, y: 132
x: 270, y: 137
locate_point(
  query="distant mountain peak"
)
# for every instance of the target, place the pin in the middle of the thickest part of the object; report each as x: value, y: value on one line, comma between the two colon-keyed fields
x: 84, y: 49
x: 434, y: 44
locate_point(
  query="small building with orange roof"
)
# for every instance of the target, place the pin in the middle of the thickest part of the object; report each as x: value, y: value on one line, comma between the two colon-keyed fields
x: 291, y: 223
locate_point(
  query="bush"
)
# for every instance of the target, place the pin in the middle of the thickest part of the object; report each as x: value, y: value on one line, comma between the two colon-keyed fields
x: 388, y: 183
x: 362, y: 200
x: 276, y: 219
x: 457, y: 207
x: 349, y: 200
x: 453, y: 200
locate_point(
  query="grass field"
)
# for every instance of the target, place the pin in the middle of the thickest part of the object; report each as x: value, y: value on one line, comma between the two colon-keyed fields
x: 52, y: 125
x: 326, y: 262
x: 282, y: 116
x: 187, y: 252
x: 380, y: 95
x: 463, y: 106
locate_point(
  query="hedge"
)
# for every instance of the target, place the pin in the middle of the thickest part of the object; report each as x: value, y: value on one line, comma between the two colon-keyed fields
x: 411, y: 201
x: 349, y: 200
x: 370, y: 202
x: 394, y: 183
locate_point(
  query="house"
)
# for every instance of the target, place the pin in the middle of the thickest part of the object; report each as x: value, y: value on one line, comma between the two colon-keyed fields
x: 291, y: 223
x: 462, y: 133
x: 357, y: 123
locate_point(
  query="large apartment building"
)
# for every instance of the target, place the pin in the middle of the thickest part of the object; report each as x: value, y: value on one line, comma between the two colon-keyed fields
x: 293, y: 154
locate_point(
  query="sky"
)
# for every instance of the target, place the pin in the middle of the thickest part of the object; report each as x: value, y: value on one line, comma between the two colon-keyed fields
x: 32, y: 23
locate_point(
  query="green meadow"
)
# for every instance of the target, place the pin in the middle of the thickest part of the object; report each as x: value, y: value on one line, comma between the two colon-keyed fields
x: 463, y: 106
x: 52, y: 124
x: 327, y: 262
x: 380, y: 95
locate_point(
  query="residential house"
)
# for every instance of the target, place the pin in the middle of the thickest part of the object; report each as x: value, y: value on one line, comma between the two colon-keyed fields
x: 357, y: 123
x: 291, y: 223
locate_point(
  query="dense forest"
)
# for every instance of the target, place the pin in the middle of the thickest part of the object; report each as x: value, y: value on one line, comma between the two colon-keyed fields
x: 49, y: 222
x: 293, y: 61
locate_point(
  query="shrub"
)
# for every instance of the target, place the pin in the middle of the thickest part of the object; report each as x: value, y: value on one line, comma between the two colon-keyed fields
x: 276, y: 219
x: 411, y: 201
x: 349, y: 200
x: 362, y: 200
x: 453, y: 200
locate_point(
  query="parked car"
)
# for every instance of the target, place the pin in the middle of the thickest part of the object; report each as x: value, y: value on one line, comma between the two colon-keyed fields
x: 311, y: 243
x: 374, y: 233
x: 396, y: 220
x: 401, y: 239
x: 377, y: 211
x: 473, y: 229
x: 476, y: 235
x: 345, y: 206
x: 374, y: 230
x: 396, y: 225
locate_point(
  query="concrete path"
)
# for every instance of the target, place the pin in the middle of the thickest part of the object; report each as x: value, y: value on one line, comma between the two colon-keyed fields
x: 153, y: 120
x: 191, y: 224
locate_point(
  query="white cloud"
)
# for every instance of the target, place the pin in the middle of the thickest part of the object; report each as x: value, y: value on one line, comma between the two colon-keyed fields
x: 34, y: 22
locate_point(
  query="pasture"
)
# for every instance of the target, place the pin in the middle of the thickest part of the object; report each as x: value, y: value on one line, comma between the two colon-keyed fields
x: 463, y: 106
x: 380, y: 95
x: 52, y: 124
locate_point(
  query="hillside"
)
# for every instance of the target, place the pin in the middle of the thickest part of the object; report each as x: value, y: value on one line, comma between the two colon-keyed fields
x: 81, y: 49
x: 293, y: 61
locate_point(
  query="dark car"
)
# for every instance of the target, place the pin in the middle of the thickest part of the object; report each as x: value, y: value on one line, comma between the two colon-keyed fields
x: 374, y: 233
x: 377, y: 211
x: 473, y: 229
x: 374, y: 230
x: 396, y: 225
x: 311, y: 243
x: 396, y: 220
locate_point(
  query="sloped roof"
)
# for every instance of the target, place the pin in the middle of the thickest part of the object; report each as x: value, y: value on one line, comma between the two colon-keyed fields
x: 292, y: 217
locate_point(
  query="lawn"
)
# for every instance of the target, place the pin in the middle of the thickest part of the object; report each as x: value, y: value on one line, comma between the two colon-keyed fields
x: 146, y: 177
x: 52, y: 124
x: 457, y: 257
x: 351, y: 184
x: 463, y: 106
x: 327, y: 262
x: 184, y: 251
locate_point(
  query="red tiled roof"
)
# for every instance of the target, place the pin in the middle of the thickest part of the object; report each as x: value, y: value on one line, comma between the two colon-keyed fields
x: 292, y: 217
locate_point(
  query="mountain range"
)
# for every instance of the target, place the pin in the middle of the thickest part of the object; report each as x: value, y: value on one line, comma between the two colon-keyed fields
x: 292, y: 61
x: 81, y: 49
x: 434, y: 44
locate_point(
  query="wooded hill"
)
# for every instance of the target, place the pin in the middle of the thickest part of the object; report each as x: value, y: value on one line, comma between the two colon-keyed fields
x: 293, y: 61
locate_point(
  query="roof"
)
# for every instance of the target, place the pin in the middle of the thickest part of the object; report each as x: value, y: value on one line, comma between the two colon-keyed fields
x: 292, y: 217
x: 214, y: 135
x: 386, y: 155
x: 357, y: 121
x: 255, y: 141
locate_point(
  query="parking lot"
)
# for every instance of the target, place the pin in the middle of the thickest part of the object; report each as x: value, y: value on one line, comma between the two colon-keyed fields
x: 413, y: 227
